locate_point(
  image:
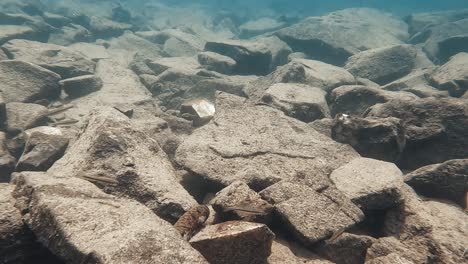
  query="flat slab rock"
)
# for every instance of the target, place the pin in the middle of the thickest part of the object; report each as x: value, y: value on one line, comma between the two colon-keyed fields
x: 62, y: 60
x: 312, y: 213
x: 125, y: 161
x: 234, y: 242
x: 258, y: 145
x: 81, y: 224
x: 371, y: 184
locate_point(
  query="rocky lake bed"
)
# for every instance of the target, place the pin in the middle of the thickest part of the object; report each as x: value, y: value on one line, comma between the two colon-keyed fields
x: 219, y: 138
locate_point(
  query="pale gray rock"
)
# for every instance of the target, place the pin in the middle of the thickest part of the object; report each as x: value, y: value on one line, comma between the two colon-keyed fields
x: 323, y: 126
x: 130, y: 45
x: 383, y: 65
x: 79, y: 223
x: 424, y: 91
x: 453, y: 76
x: 62, y: 60
x: 326, y: 209
x: 82, y: 85
x: 283, y: 252
x: 3, y: 56
x: 126, y: 162
x: 25, y: 82
x: 378, y: 138
x: 436, y: 129
x: 9, y: 32
x: 216, y: 62
x: 448, y: 180
x: 92, y: 51
x: 69, y: 35
x: 338, y: 35
x: 189, y: 44
x: 106, y: 28
x: 258, y: 145
x: 419, y: 22
x: 22, y: 116
x: 260, y: 26
x: 300, y: 101
x: 235, y: 242
x: 200, y: 110
x: 390, y: 259
x: 371, y: 184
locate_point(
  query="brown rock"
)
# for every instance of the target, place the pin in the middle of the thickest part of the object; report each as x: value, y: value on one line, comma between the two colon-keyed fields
x: 234, y: 242
x: 346, y: 249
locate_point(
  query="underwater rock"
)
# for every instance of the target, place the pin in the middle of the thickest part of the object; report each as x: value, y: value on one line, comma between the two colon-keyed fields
x: 446, y: 40
x: 22, y: 116
x: 346, y: 248
x: 279, y: 50
x: 124, y: 161
x: 284, y: 252
x: 69, y: 35
x: 424, y: 91
x: 326, y: 209
x: 453, y: 76
x: 234, y: 242
x: 79, y: 223
x: 390, y: 248
x: 131, y: 45
x: 9, y: 32
x: 383, y: 65
x: 323, y: 126
x: 356, y: 99
x: 377, y: 138
x: 3, y: 56
x: 420, y: 22
x: 389, y: 259
x: 188, y: 65
x: 190, y: 43
x: 258, y: 145
x: 417, y: 77
x: 260, y: 26
x: 216, y: 62
x: 92, y: 51
x: 433, y: 231
x: 80, y: 86
x: 62, y: 60
x: 371, y: 184
x: 239, y: 202
x: 335, y: 37
x: 7, y: 161
x: 200, y: 110
x: 436, y: 129
x: 56, y: 20
x: 300, y: 101
x: 448, y: 180
x: 25, y: 82
x: 41, y: 151
x: 106, y: 28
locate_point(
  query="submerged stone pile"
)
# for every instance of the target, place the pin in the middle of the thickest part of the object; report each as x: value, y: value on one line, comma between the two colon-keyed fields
x: 340, y: 138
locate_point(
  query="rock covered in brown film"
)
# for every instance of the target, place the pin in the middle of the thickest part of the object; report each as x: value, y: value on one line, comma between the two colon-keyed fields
x: 234, y: 242
x: 192, y: 221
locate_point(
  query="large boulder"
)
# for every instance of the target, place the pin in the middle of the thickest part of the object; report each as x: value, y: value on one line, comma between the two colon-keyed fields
x: 258, y: 145
x: 433, y: 231
x: 419, y: 22
x: 125, y: 161
x: 62, y: 60
x: 216, y: 62
x: 300, y: 101
x: 371, y: 184
x: 453, y: 76
x: 378, y: 138
x: 79, y: 223
x: 448, y: 180
x: 25, y: 82
x: 383, y: 65
x: 335, y: 37
x: 22, y: 116
x: 310, y: 212
x: 436, y: 129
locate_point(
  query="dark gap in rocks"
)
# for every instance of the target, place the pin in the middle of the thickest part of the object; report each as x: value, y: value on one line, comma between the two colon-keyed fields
x: 198, y: 186
x: 373, y: 224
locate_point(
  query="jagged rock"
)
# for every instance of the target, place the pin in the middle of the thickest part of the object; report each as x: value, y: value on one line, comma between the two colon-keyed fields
x: 125, y: 161
x: 313, y: 73
x: 326, y: 209
x: 300, y: 101
x: 7, y: 162
x: 82, y: 85
x: 279, y: 50
x: 436, y: 129
x: 25, y: 82
x: 22, y: 116
x: 239, y: 202
x: 259, y: 26
x: 92, y: 51
x: 392, y: 248
x: 41, y: 151
x: 356, y: 99
x: 216, y: 62
x: 79, y: 223
x: 323, y: 126
x: 62, y: 60
x: 258, y: 145
x: 182, y: 64
x: 132, y: 45
x: 448, y: 180
x: 283, y: 252
x: 432, y: 231
x: 9, y: 32
x: 200, y: 110
x: 335, y: 37
x: 69, y: 35
x: 378, y: 138
x: 234, y: 242
x: 346, y: 249
x: 445, y: 40
x: 453, y: 76
x: 106, y: 28
x: 187, y: 44
x: 371, y: 184
x: 383, y: 65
